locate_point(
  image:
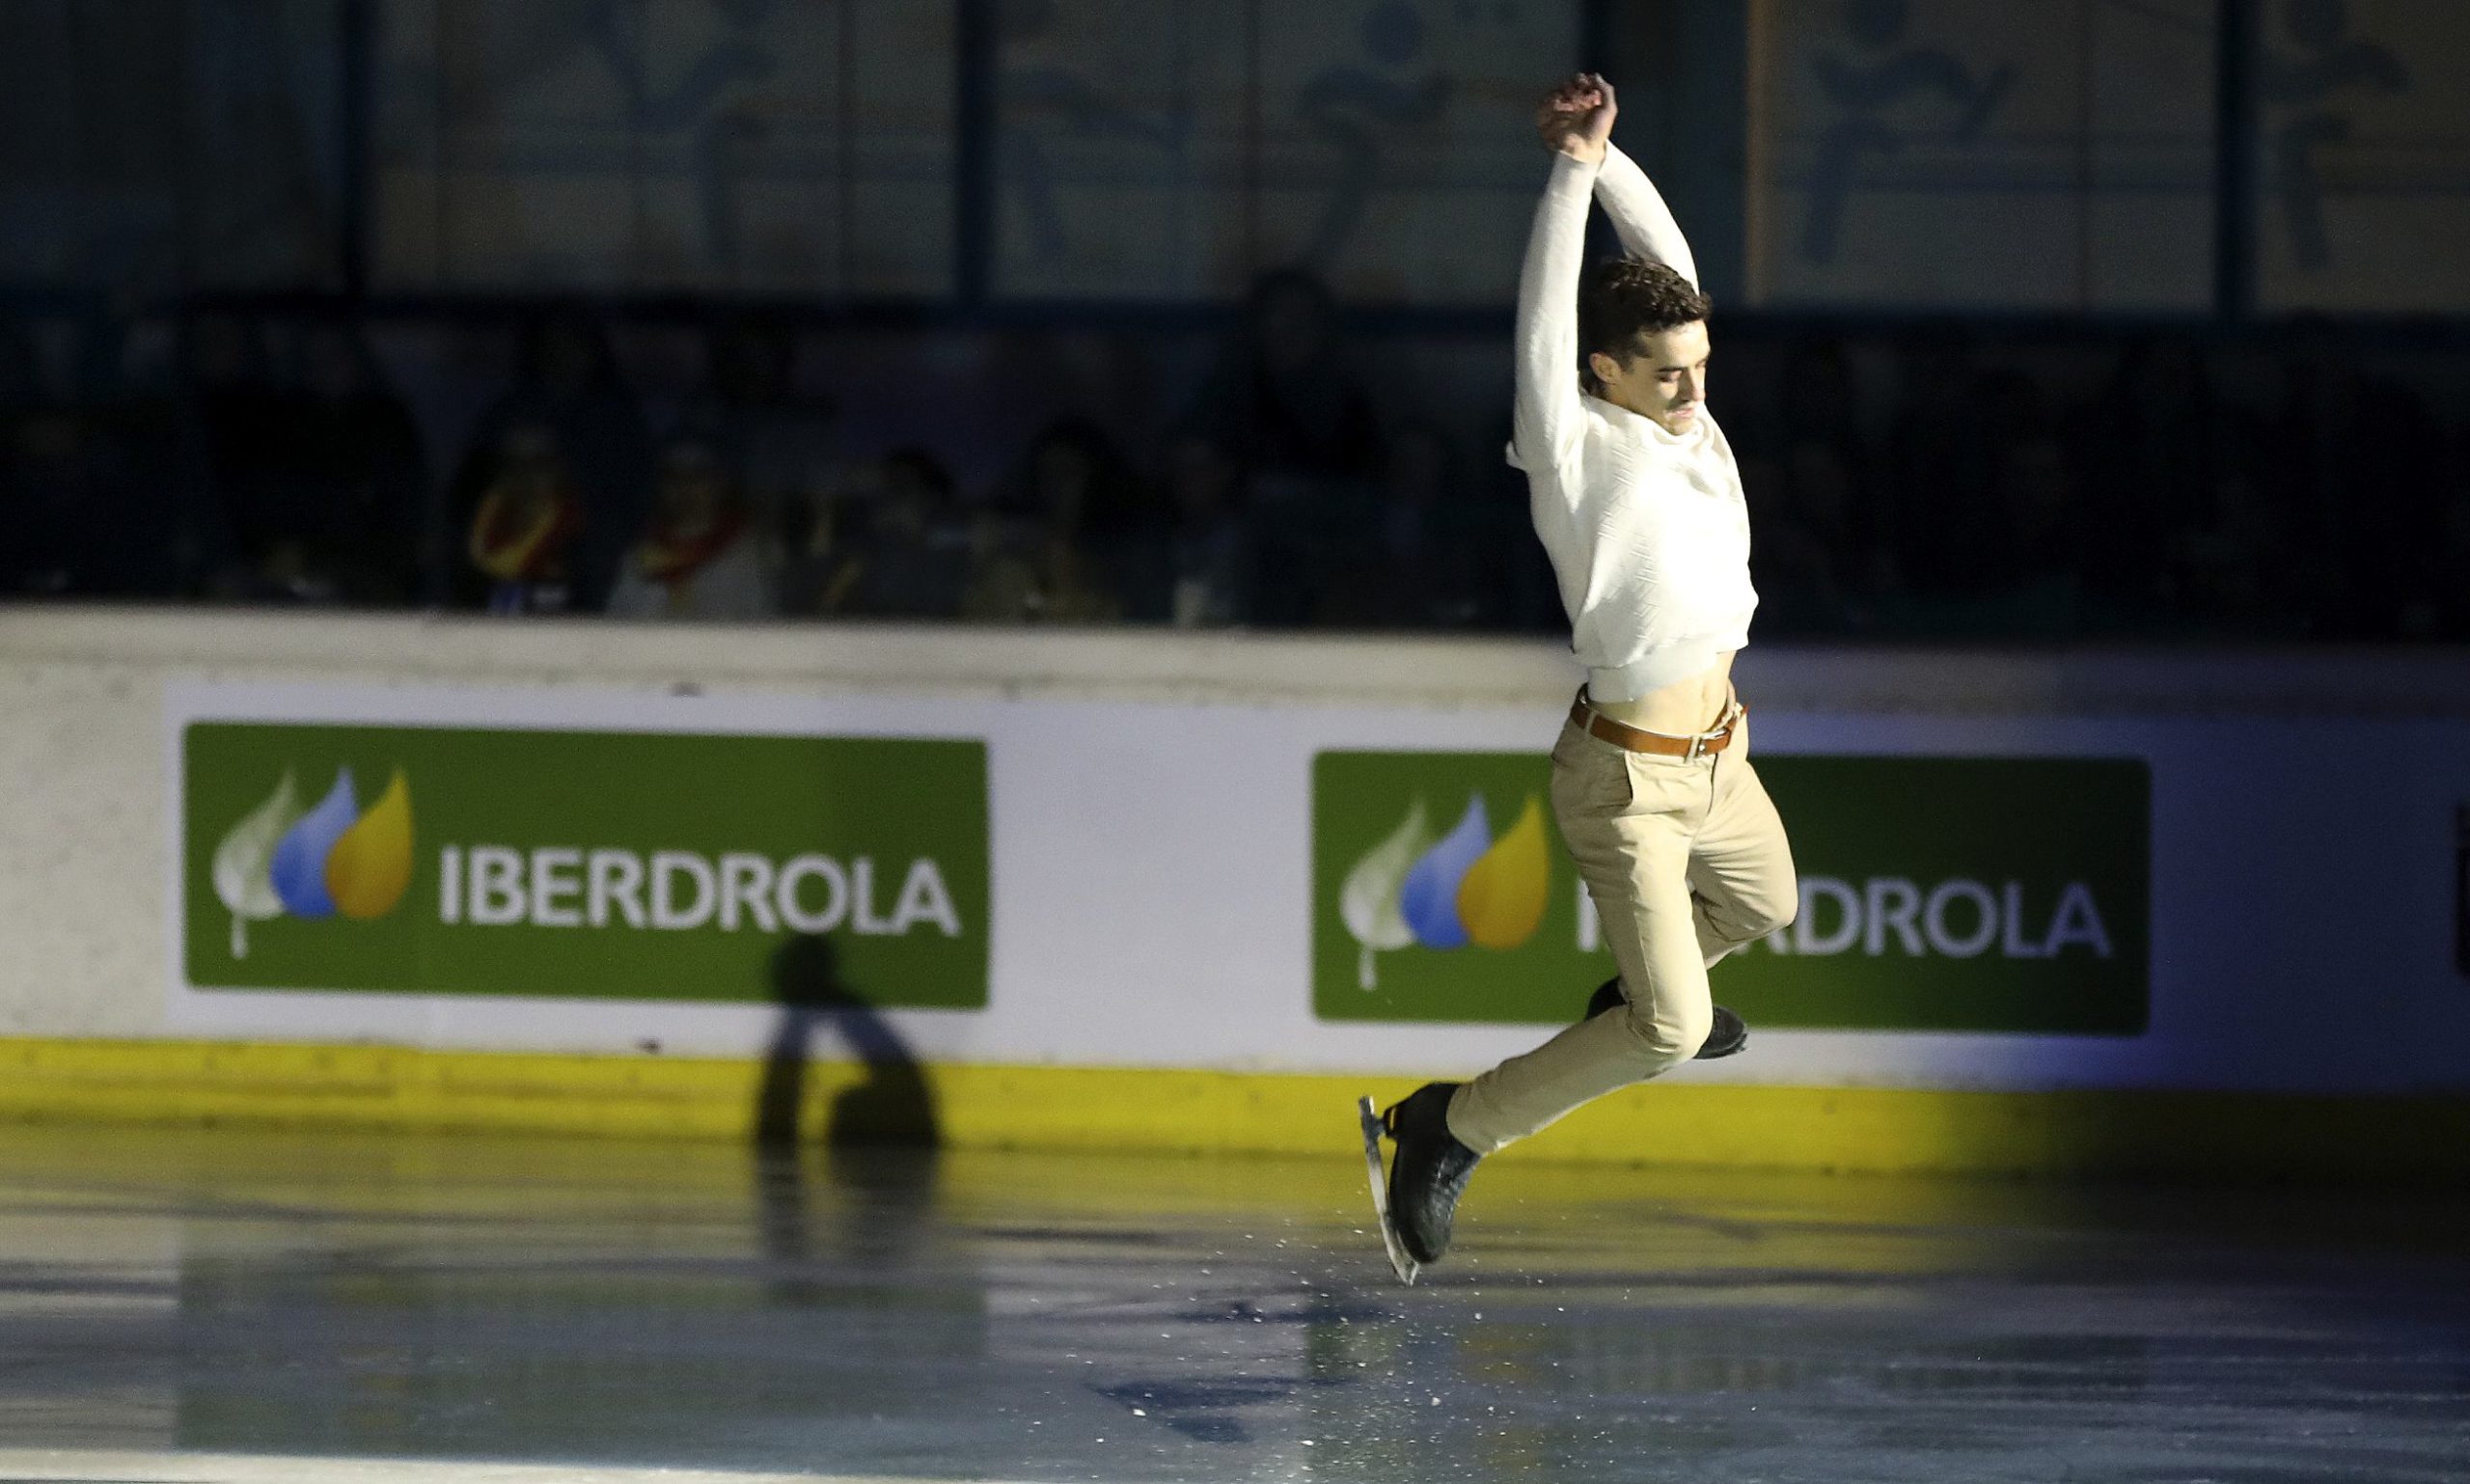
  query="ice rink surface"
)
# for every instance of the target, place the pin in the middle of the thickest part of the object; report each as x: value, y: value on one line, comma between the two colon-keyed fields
x: 243, y: 1306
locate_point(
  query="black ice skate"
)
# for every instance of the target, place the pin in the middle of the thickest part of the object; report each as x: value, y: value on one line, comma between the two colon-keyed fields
x: 1426, y: 1175
x: 1730, y: 1034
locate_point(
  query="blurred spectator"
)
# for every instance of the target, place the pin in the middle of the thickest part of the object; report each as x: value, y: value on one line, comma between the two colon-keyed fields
x: 1818, y: 405
x: 1078, y: 501
x: 2440, y: 606
x: 998, y: 584
x: 55, y: 545
x: 824, y: 534
x: 2035, y: 586
x: 1801, y: 545
x: 20, y: 372
x: 331, y: 513
x: 1285, y: 391
x: 156, y: 454
x: 2235, y: 578
x: 702, y: 556
x: 1410, y: 564
x: 92, y: 503
x: 779, y: 438
x: 912, y: 565
x: 1819, y: 545
x: 2019, y: 573
x: 1286, y: 394
x: 232, y: 418
x: 528, y: 524
x: 1514, y: 579
x: 2153, y: 447
x: 2358, y: 468
x: 566, y: 380
x: 1936, y: 464
x: 1210, y: 555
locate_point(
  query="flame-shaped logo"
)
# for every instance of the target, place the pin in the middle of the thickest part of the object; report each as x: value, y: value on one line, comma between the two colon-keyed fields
x: 1464, y: 888
x: 370, y: 868
x: 331, y: 859
x: 1501, y: 900
x: 299, y: 863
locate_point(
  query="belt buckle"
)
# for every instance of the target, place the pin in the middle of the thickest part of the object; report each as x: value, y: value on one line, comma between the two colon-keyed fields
x: 1704, y: 742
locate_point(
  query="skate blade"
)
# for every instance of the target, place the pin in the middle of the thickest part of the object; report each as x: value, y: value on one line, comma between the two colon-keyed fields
x: 1404, y: 1265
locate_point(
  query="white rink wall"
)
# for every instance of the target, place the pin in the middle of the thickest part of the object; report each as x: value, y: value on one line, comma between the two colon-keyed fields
x: 1151, y: 828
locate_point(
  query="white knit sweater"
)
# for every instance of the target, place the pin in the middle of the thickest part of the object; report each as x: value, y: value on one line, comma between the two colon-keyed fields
x: 1647, y: 530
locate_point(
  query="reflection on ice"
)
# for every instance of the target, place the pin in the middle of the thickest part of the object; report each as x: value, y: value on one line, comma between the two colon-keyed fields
x: 436, y: 1308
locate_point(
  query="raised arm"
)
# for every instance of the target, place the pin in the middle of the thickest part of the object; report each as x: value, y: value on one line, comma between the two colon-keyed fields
x: 1549, y: 418
x: 1574, y: 122
x: 1639, y: 217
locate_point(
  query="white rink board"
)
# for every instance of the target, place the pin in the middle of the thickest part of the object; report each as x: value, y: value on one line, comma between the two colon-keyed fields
x: 1151, y: 860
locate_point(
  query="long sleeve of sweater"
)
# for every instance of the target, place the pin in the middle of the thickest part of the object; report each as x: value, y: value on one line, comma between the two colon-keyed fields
x: 1640, y: 216
x: 1550, y: 421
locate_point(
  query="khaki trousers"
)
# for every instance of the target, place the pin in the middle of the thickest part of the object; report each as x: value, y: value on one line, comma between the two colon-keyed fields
x: 1686, y: 861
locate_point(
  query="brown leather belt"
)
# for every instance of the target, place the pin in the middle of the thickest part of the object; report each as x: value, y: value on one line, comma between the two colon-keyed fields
x: 1595, y: 723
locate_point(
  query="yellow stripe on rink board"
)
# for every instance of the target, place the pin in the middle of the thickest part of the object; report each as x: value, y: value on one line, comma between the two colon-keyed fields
x: 1674, y: 1122
x: 112, y: 1466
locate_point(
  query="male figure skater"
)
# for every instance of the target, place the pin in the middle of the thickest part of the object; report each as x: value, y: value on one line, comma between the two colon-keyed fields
x: 1639, y: 504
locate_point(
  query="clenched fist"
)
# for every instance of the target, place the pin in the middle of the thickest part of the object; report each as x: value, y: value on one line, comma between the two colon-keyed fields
x: 1577, y: 117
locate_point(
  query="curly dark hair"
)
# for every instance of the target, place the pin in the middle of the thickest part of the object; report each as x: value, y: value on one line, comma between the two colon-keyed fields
x: 1623, y: 298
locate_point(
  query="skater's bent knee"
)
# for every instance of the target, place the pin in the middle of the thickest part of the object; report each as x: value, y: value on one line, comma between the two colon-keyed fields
x: 1771, y: 906
x: 1672, y: 1032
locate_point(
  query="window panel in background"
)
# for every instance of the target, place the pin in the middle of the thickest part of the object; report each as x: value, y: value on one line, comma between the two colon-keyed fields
x: 1399, y: 141
x: 150, y: 146
x: 2364, y: 198
x: 1170, y: 152
x: 1941, y: 154
x: 667, y: 146
x: 1120, y: 150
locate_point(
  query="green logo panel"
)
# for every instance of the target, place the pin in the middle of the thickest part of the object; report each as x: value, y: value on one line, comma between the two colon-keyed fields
x: 592, y: 865
x: 1938, y: 894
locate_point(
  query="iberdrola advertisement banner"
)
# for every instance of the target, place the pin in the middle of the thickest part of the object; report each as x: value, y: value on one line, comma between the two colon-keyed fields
x: 1937, y: 893
x: 592, y: 865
